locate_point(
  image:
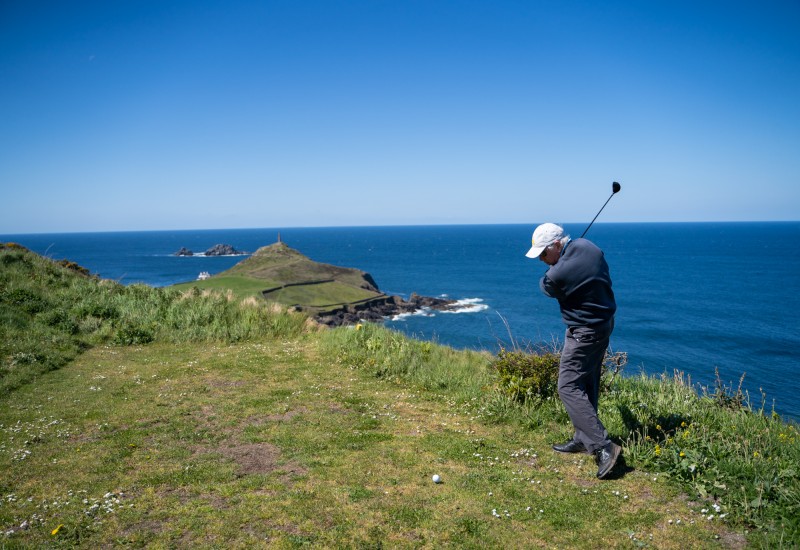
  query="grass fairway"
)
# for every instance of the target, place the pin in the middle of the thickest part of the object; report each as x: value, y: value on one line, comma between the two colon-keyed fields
x: 274, y: 443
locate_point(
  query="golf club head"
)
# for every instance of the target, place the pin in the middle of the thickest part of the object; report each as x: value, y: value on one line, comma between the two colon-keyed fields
x: 615, y: 187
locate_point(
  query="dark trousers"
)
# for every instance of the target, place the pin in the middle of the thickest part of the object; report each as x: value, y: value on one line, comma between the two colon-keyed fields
x: 579, y: 381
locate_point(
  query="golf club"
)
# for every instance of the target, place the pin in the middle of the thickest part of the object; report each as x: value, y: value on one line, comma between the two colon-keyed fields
x: 615, y: 187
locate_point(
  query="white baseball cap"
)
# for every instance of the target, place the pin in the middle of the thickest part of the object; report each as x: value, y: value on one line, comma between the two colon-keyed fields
x: 544, y: 235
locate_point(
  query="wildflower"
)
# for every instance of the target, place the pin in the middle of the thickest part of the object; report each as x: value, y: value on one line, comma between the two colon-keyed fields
x: 55, y: 531
x: 756, y: 454
x: 658, y: 427
x: 658, y: 450
x: 358, y: 326
x: 683, y: 424
x: 682, y: 454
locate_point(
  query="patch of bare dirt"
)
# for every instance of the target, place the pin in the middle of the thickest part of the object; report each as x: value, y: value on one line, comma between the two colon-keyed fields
x: 259, y: 458
x: 222, y: 383
x: 730, y: 539
x: 260, y: 420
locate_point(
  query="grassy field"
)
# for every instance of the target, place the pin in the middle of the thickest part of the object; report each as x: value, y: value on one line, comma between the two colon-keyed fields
x: 269, y: 444
x: 241, y: 286
x: 134, y: 416
x: 321, y: 295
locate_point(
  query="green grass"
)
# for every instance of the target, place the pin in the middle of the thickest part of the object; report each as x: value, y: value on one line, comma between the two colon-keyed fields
x: 267, y: 443
x: 285, y: 265
x: 241, y: 286
x: 133, y: 416
x: 322, y: 294
x: 49, y: 314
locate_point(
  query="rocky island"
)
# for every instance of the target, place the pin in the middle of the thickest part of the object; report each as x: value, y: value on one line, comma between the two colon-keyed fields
x: 216, y: 250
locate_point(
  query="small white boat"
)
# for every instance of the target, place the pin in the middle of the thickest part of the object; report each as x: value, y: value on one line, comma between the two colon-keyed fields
x: 203, y: 276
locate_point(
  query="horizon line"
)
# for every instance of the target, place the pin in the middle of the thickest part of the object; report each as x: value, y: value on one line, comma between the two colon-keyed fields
x: 532, y: 224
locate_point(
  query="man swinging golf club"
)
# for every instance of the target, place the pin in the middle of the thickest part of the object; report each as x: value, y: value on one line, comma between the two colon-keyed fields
x: 579, y: 279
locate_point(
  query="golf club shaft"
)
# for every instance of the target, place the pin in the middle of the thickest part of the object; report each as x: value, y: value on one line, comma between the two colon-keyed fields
x: 614, y: 190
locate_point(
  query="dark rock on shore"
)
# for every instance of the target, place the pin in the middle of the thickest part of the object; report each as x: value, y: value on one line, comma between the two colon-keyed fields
x: 377, y: 309
x: 223, y: 250
x: 184, y: 252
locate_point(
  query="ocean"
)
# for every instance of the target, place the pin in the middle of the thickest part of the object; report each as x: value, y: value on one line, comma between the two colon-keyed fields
x: 699, y: 298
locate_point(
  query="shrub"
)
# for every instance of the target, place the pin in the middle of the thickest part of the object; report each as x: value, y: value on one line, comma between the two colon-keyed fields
x: 74, y: 267
x: 59, y: 319
x: 26, y: 300
x: 135, y: 333
x: 524, y: 375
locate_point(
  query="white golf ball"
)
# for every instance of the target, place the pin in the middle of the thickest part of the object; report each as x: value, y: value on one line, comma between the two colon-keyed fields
x: 436, y: 478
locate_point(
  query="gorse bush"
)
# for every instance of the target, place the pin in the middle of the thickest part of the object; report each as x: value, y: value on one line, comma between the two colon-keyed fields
x: 523, y: 375
x: 51, y: 311
x: 534, y: 375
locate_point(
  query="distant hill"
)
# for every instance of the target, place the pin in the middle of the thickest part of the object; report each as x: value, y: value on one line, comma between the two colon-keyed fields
x: 332, y: 294
x: 280, y: 264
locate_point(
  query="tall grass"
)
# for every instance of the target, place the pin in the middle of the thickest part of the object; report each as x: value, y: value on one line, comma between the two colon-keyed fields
x: 743, y: 460
x: 391, y: 355
x: 50, y: 312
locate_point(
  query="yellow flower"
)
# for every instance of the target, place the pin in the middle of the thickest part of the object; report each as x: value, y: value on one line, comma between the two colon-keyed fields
x: 358, y: 326
x: 756, y: 454
x: 55, y: 531
x: 683, y: 424
x: 658, y: 427
x: 658, y: 450
x: 683, y: 454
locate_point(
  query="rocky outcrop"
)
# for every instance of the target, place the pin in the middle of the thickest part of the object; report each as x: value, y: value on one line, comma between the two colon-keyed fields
x: 378, y: 309
x: 216, y: 250
x: 224, y: 250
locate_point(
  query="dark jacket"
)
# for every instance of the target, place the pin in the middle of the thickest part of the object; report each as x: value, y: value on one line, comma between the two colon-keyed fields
x: 581, y: 283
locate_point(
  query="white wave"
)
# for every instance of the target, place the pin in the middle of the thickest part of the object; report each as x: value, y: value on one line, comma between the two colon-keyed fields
x: 204, y: 255
x: 468, y: 305
x: 423, y: 312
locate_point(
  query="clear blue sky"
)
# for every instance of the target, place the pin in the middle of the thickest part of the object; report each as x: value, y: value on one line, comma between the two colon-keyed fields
x: 136, y: 115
